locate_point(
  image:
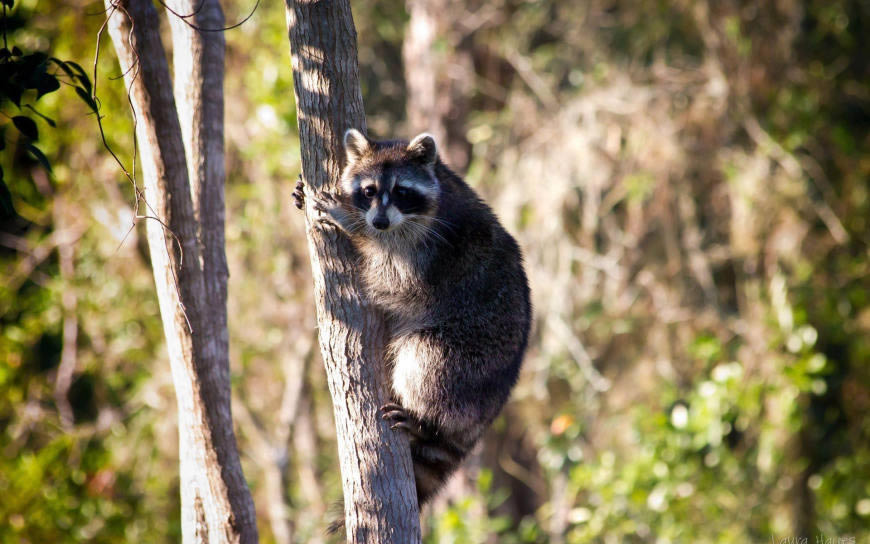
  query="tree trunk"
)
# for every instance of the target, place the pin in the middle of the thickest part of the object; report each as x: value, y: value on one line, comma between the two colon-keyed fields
x: 187, y: 252
x: 377, y: 475
x: 440, y: 80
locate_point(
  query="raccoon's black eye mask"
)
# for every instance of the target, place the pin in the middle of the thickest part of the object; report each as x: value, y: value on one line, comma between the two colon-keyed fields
x: 409, y: 201
x: 362, y: 196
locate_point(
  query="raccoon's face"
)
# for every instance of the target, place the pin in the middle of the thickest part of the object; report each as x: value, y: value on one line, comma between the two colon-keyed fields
x: 390, y: 184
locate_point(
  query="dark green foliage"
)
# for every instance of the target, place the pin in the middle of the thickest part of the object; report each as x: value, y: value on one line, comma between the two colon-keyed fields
x: 67, y: 481
x: 22, y: 75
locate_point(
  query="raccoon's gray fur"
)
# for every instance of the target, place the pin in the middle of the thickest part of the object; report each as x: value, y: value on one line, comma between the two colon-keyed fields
x: 450, y: 279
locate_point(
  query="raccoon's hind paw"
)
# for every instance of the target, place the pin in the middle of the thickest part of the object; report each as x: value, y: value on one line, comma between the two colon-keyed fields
x: 393, y: 411
x: 401, y: 419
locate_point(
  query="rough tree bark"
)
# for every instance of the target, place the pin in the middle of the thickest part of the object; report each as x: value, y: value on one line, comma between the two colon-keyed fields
x: 377, y: 475
x: 185, y: 239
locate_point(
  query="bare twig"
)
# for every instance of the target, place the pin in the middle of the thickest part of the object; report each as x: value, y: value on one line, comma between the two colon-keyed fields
x: 185, y: 18
x: 578, y: 352
x: 531, y: 77
x: 795, y: 169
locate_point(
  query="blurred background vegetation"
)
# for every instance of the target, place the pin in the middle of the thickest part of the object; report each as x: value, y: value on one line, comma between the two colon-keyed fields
x: 689, y: 182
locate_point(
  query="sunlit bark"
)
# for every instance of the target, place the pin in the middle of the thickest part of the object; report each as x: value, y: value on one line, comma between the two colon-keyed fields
x: 380, y: 498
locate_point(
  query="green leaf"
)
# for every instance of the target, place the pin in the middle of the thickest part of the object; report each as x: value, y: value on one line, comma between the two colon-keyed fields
x: 77, y: 67
x: 26, y: 126
x: 34, y: 70
x: 48, y: 120
x: 12, y: 91
x: 32, y: 66
x: 63, y: 66
x: 38, y: 155
x: 46, y: 84
x: 87, y: 98
x: 82, y: 76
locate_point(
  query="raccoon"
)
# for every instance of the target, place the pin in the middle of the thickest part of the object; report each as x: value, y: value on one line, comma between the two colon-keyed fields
x: 451, y: 283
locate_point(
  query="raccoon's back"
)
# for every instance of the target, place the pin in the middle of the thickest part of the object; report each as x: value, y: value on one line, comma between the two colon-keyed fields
x: 480, y: 307
x: 478, y: 271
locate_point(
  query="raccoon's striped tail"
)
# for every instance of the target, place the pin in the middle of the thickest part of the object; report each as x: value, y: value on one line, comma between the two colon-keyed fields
x: 435, y: 461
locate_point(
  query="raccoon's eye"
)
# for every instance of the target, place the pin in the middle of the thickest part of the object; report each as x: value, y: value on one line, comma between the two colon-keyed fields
x: 401, y: 191
x: 369, y: 191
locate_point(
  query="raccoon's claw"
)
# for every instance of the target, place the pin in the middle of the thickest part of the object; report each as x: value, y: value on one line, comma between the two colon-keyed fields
x: 412, y: 429
x: 325, y: 221
x: 394, y: 412
x: 323, y: 201
x: 402, y: 420
x: 299, y: 193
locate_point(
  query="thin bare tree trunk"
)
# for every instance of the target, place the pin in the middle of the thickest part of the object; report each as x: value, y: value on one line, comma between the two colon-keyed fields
x: 198, y: 61
x: 380, y: 497
x: 189, y: 271
x: 421, y: 68
x: 69, y: 302
x: 439, y: 81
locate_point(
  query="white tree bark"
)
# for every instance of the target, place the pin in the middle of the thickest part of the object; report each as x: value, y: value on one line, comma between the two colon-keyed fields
x: 185, y: 240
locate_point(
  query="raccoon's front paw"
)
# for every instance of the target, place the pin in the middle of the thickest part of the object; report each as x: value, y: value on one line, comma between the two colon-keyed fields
x: 322, y: 201
x: 299, y: 193
x: 326, y: 202
x: 401, y: 419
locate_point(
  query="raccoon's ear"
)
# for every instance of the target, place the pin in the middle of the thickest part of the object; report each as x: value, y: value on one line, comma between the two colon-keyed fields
x: 355, y: 144
x: 423, y: 149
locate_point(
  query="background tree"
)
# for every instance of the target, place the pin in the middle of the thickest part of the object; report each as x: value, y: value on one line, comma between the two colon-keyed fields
x: 379, y: 493
x: 439, y: 71
x: 184, y: 177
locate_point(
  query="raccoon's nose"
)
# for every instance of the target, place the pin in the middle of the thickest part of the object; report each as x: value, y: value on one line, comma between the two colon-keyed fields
x: 380, y: 222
